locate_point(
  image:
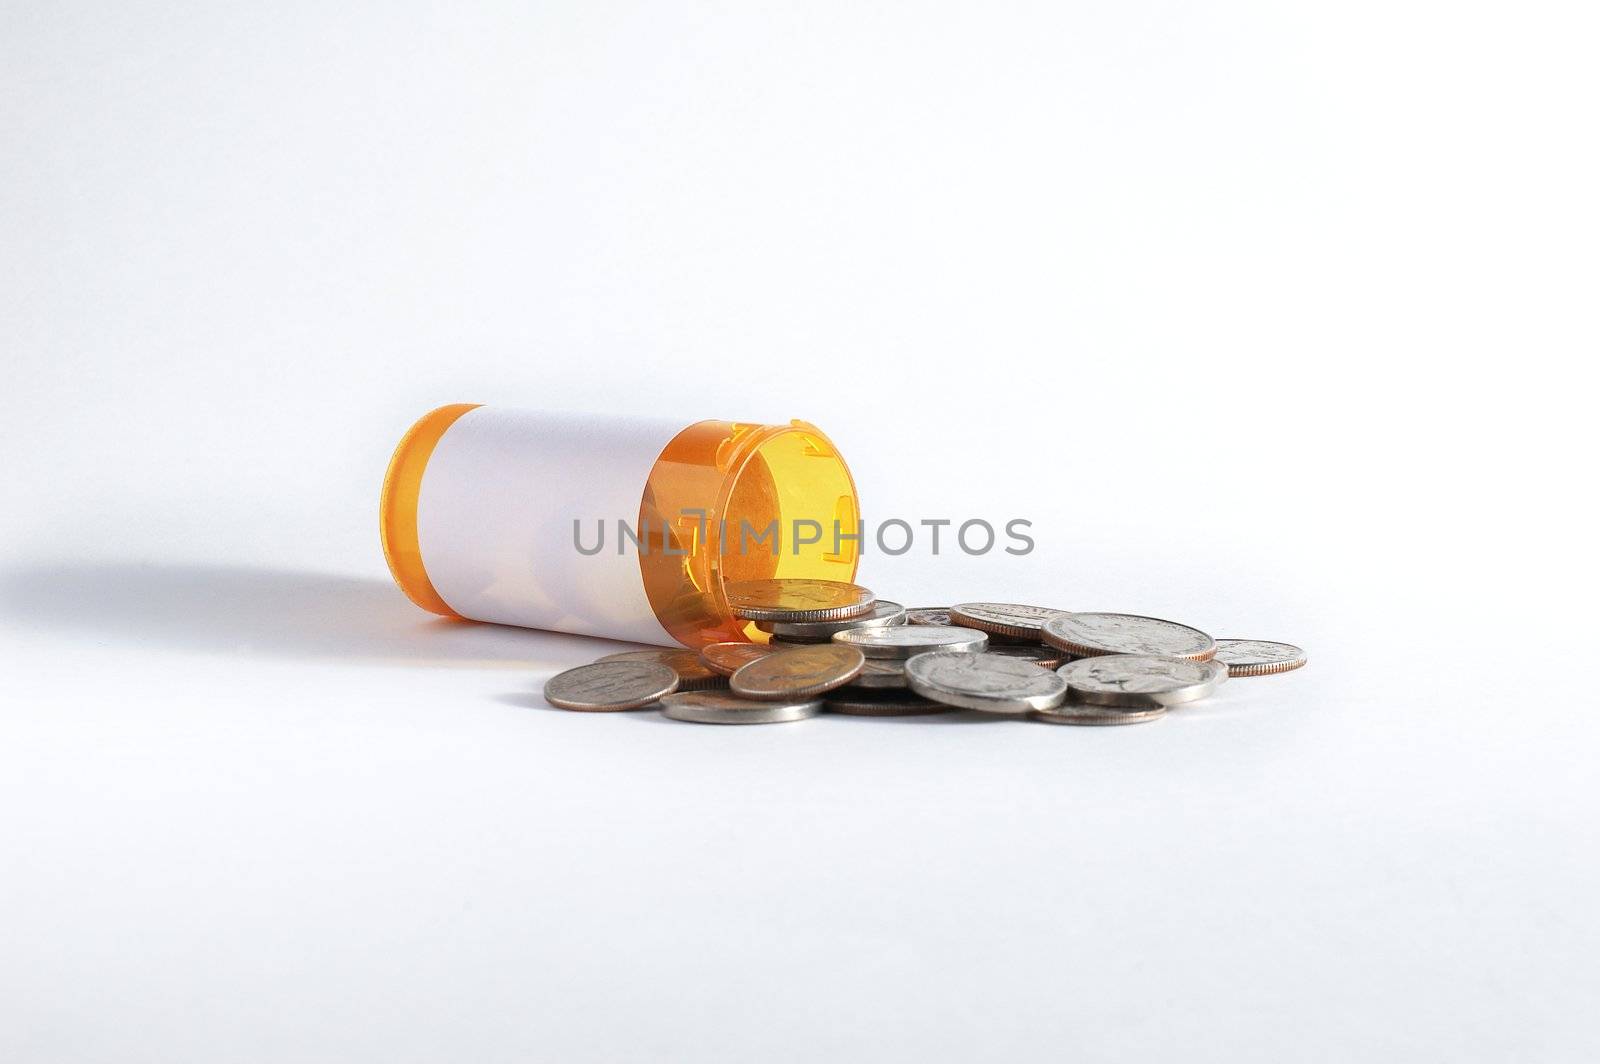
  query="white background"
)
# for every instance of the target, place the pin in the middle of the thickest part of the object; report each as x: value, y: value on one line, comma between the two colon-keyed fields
x: 1274, y: 318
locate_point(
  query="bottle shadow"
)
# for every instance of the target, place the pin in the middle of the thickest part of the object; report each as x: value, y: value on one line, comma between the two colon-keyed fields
x: 281, y: 613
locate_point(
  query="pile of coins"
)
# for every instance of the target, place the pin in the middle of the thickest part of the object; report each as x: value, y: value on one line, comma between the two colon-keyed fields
x: 835, y: 647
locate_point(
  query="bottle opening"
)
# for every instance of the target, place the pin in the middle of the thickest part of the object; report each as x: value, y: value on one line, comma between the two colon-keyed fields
x: 771, y: 497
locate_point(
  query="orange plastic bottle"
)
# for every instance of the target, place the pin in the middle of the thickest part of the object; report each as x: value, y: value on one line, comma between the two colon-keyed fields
x: 623, y: 528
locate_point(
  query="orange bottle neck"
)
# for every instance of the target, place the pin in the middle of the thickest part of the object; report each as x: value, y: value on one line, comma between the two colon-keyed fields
x: 728, y: 496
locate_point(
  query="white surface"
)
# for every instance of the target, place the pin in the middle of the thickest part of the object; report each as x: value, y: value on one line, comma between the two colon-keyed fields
x: 1275, y: 319
x: 499, y: 498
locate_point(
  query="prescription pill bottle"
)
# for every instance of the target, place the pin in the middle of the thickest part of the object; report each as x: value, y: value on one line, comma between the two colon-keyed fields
x: 625, y: 528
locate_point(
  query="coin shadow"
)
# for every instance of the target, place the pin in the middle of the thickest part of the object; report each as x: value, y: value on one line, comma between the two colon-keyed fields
x: 1206, y: 710
x: 526, y: 700
x: 534, y: 700
x: 954, y: 716
x: 241, y: 611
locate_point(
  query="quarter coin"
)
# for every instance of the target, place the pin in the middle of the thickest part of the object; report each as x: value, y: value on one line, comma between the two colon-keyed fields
x: 1039, y: 654
x: 693, y: 675
x: 797, y: 600
x: 928, y: 615
x: 1079, y: 713
x: 1140, y: 680
x: 720, y: 707
x: 1090, y: 634
x: 881, y: 673
x: 1258, y: 657
x: 904, y: 641
x: 725, y: 658
x: 610, y: 685
x: 989, y: 682
x: 882, y: 614
x: 798, y: 673
x: 1003, y: 618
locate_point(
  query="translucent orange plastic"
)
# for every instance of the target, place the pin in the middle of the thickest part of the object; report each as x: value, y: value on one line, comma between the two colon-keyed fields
x: 397, y: 510
x: 740, y: 475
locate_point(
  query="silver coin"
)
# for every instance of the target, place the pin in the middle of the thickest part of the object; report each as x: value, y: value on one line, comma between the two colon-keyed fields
x: 1080, y: 713
x: 720, y: 707
x: 610, y: 685
x: 726, y: 658
x: 797, y: 599
x: 880, y: 703
x: 1038, y: 653
x: 928, y: 615
x: 881, y: 673
x: 693, y: 673
x: 989, y: 682
x: 882, y: 615
x: 1141, y: 680
x: 798, y: 673
x: 1258, y: 657
x: 1009, y: 619
x: 1090, y: 634
x: 904, y: 641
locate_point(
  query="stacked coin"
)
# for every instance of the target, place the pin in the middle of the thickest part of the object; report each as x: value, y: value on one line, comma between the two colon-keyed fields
x: 1004, y: 621
x: 836, y: 647
x: 883, y: 614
